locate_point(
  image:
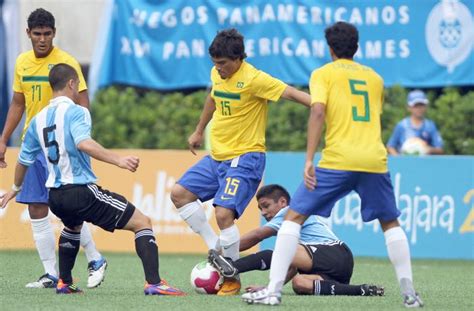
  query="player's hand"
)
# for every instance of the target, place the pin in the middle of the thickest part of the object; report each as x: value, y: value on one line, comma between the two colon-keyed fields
x: 129, y: 163
x: 3, y: 150
x: 6, y: 197
x: 195, y: 141
x: 309, y: 177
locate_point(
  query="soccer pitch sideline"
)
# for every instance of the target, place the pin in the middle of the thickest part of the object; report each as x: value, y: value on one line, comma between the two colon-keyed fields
x: 443, y: 285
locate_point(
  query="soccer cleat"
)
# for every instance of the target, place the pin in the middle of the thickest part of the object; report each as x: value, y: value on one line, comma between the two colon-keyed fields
x: 63, y: 288
x: 262, y: 297
x: 230, y: 287
x: 162, y: 288
x: 412, y: 301
x: 224, y: 265
x: 96, y: 270
x: 371, y: 290
x: 44, y: 281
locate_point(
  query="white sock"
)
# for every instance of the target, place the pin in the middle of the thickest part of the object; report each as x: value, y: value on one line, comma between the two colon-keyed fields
x: 88, y: 244
x: 230, y: 242
x: 193, y: 214
x: 45, y: 244
x: 285, y: 250
x: 399, y: 254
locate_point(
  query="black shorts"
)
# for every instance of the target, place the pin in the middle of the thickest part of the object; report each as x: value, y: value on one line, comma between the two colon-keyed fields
x: 74, y: 204
x: 331, y: 261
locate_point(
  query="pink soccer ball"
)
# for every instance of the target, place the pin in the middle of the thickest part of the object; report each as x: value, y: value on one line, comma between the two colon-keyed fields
x: 205, y: 279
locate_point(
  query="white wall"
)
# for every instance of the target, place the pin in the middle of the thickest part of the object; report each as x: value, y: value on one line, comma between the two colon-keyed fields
x: 77, y: 22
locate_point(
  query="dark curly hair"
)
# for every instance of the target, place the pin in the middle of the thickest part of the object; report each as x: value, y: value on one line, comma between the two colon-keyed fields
x: 274, y: 192
x: 228, y: 43
x: 41, y: 18
x: 343, y: 39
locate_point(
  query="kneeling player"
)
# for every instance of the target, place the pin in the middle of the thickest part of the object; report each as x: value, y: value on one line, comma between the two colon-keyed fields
x: 322, y: 265
x: 62, y: 132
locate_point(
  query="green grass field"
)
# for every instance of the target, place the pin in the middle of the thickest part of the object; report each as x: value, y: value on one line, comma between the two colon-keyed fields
x: 444, y: 285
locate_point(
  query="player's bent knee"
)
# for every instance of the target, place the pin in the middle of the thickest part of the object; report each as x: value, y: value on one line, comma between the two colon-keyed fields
x: 301, y: 286
x: 180, y: 196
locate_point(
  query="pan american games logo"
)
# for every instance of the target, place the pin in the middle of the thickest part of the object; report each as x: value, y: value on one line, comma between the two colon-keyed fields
x: 449, y: 33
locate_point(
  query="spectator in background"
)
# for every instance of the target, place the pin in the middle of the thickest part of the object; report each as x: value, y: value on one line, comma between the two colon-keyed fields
x: 416, y: 134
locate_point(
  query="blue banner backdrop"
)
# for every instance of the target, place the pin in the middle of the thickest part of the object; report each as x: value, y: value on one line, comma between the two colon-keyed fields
x: 163, y: 44
x: 434, y: 193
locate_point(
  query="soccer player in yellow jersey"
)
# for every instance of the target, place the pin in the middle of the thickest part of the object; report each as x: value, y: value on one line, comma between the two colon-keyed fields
x: 237, y: 105
x: 348, y: 97
x: 32, y: 93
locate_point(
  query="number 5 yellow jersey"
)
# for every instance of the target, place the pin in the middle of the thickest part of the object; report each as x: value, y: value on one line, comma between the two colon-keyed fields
x: 353, y: 96
x: 240, y: 119
x: 31, y: 79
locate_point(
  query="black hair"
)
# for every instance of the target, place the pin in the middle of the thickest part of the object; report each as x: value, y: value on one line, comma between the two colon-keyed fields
x: 41, y: 18
x: 228, y: 43
x: 274, y: 192
x: 60, y: 74
x: 343, y: 39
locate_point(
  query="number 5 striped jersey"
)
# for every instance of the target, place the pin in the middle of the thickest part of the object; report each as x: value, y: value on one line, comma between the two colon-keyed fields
x: 353, y: 96
x: 56, y: 131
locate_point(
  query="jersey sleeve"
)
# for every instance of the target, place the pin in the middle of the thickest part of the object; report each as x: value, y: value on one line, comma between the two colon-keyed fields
x: 80, y: 124
x: 30, y: 146
x: 436, y: 140
x: 267, y: 87
x: 318, y: 87
x: 16, y: 78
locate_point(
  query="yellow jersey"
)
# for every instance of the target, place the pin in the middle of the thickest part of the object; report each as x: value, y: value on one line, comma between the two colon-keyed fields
x: 240, y: 119
x: 31, y: 79
x: 353, y: 96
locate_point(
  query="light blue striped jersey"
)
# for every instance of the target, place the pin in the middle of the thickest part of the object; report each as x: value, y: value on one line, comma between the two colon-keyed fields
x: 313, y: 231
x: 56, y: 131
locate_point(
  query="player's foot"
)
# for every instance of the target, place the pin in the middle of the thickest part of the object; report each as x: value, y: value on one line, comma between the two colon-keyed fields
x: 223, y: 264
x: 162, y: 288
x: 63, y: 288
x: 371, y: 290
x: 262, y: 297
x: 96, y: 272
x: 412, y: 301
x: 230, y: 287
x: 44, y: 281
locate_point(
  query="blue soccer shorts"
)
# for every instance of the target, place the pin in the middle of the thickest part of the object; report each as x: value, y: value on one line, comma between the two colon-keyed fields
x: 34, y: 185
x: 375, y: 191
x: 231, y: 183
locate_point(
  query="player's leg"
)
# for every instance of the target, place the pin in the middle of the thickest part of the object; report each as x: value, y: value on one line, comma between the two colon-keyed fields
x: 69, y: 243
x: 96, y: 262
x: 35, y: 194
x: 199, y: 182
x: 381, y: 205
x: 111, y: 211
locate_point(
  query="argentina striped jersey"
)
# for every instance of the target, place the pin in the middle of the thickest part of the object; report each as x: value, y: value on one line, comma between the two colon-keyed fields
x: 313, y: 231
x: 56, y: 131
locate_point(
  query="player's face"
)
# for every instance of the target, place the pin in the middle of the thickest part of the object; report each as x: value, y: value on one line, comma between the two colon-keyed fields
x: 418, y: 110
x: 41, y: 40
x: 226, y: 67
x: 269, y: 207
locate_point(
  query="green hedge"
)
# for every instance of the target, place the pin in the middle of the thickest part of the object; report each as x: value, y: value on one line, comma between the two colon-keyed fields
x: 123, y: 118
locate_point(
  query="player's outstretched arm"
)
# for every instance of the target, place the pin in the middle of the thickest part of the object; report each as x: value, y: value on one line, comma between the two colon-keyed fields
x: 95, y: 150
x: 197, y: 137
x: 255, y: 236
x: 296, y: 95
x: 20, y: 172
x: 315, y: 129
x: 15, y: 112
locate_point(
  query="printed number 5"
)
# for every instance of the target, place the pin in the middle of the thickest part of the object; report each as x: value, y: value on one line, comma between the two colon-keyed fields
x: 365, y: 95
x: 51, y: 143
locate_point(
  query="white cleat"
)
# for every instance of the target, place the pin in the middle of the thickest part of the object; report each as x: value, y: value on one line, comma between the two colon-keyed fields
x: 44, y: 281
x: 96, y: 272
x: 262, y: 297
x: 412, y: 301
